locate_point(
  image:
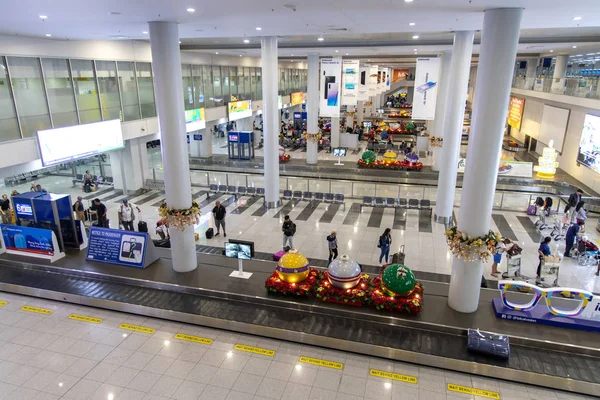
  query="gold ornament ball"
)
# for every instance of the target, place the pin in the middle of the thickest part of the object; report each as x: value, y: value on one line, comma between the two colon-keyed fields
x: 293, y: 267
x: 389, y: 157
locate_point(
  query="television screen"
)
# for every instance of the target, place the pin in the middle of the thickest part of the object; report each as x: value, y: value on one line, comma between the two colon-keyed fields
x: 339, y: 152
x: 244, y: 242
x: 589, y: 146
x: 237, y: 250
x: 66, y: 144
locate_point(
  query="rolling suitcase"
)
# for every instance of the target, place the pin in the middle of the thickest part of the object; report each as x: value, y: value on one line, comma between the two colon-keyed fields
x: 398, y: 258
x: 210, y: 233
x: 278, y: 255
x: 142, y: 225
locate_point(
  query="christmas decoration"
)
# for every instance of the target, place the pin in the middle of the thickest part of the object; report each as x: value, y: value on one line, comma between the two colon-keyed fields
x: 305, y: 288
x: 354, y: 296
x: 547, y: 162
x: 390, y: 157
x: 435, y: 141
x: 344, y: 273
x: 180, y: 218
x: 395, y: 289
x: 471, y: 249
x: 397, y: 280
x: 368, y: 156
x: 312, y: 137
x: 292, y: 267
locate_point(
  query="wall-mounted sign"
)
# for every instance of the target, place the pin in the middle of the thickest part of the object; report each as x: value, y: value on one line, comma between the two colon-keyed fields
x: 515, y: 112
x: 400, y: 75
x: 297, y: 98
x: 239, y: 109
x: 194, y: 120
x: 363, y: 84
x: 426, y: 88
x: 197, y: 137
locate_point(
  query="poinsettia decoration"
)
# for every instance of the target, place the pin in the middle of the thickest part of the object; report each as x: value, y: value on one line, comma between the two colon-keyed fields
x: 354, y: 297
x: 306, y: 288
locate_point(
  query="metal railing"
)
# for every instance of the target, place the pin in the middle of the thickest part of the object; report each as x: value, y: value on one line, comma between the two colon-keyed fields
x: 588, y: 88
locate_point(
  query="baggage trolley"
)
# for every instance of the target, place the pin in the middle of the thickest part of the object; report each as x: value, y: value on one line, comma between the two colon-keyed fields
x: 548, y: 274
x: 513, y: 268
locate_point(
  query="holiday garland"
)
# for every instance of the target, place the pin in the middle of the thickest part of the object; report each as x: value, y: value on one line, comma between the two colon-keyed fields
x: 312, y: 137
x: 471, y: 248
x: 180, y: 218
x: 435, y: 141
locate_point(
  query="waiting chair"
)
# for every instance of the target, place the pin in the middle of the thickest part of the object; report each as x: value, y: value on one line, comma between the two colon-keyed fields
x: 318, y: 196
x: 329, y: 198
x: 390, y: 202
x: 251, y: 191
x: 379, y: 202
x: 339, y: 199
x: 413, y: 203
x: 260, y: 191
x: 287, y: 195
x: 297, y: 195
x: 308, y: 196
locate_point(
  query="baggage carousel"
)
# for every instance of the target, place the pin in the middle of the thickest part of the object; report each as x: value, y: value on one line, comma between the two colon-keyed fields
x: 550, y: 357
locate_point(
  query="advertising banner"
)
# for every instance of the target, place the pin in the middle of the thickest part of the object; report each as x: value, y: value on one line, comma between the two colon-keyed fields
x: 363, y: 88
x: 32, y: 242
x: 350, y: 76
x: 331, y: 81
x: 381, y: 77
x: 373, y: 74
x: 194, y: 120
x: 388, y: 79
x: 426, y: 88
x: 400, y: 75
x: 126, y: 248
x: 515, y: 112
x: 297, y: 98
x: 589, y: 145
x: 506, y: 168
x: 239, y: 109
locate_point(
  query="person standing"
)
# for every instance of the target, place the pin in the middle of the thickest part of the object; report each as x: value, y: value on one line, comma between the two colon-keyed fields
x: 333, y: 246
x: 289, y: 229
x: 127, y: 215
x: 580, y: 214
x: 501, y: 247
x: 570, y: 237
x: 543, y: 251
x: 572, y: 203
x: 219, y: 212
x: 79, y: 209
x: 385, y: 241
x: 5, y: 210
x: 101, y: 212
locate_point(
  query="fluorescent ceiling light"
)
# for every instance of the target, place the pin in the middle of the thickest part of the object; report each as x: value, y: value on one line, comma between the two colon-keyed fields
x: 415, y: 36
x: 411, y: 23
x: 246, y: 41
x: 190, y: 10
x: 336, y: 51
x: 551, y: 51
x: 577, y: 18
x: 258, y: 28
x: 347, y: 54
x: 145, y: 32
x: 240, y: 55
x: 320, y: 39
x: 292, y: 55
x: 574, y: 47
x: 43, y: 16
x: 415, y: 50
x: 216, y: 52
x: 48, y: 34
x: 408, y: 1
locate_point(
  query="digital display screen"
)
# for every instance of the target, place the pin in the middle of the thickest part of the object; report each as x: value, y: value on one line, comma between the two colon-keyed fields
x: 339, y: 152
x: 589, y: 145
x: 239, y: 109
x: 66, y: 144
x: 238, y: 250
x: 23, y: 210
x: 194, y: 120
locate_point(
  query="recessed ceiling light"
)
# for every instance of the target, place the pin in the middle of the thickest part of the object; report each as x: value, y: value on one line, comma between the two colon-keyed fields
x: 368, y: 60
x: 190, y: 10
x: 43, y: 16
x: 336, y: 51
x: 408, y: 1
x: 48, y: 34
x: 216, y: 52
x: 246, y: 40
x: 240, y: 55
x: 347, y: 54
x: 574, y: 47
x: 320, y: 39
x: 577, y: 18
x: 411, y: 23
x: 292, y: 55
x: 415, y: 36
x: 145, y: 32
x: 415, y: 50
x: 258, y: 28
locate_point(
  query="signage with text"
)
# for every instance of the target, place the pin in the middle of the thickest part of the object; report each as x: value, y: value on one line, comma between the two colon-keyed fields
x: 515, y: 112
x: 194, y: 120
x: 28, y: 240
x: 126, y: 248
x: 331, y: 85
x: 239, y: 109
x: 350, y: 77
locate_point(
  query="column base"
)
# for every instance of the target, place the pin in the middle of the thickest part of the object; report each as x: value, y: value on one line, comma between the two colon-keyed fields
x: 273, y: 204
x: 442, y: 220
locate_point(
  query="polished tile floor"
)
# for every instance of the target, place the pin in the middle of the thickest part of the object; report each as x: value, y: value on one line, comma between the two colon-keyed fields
x: 52, y: 356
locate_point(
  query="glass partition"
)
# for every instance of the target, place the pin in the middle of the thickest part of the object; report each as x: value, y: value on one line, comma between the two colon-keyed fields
x: 208, y: 86
x: 233, y: 79
x: 241, y: 83
x: 188, y: 91
x: 9, y: 128
x: 109, y: 90
x: 146, y: 89
x: 217, y: 87
x: 59, y: 87
x: 86, y: 91
x: 259, y: 83
x: 343, y: 187
x: 253, y: 92
x: 198, y: 86
x: 247, y: 88
x: 129, y: 90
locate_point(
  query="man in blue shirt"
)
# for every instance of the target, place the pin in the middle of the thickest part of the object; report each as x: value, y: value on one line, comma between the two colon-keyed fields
x: 570, y: 237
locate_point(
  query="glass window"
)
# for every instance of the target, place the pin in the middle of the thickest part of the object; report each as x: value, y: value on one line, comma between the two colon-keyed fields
x: 233, y: 79
x: 109, y: 90
x: 86, y: 91
x: 225, y: 83
x: 218, y: 91
x: 188, y: 87
x: 247, y: 89
x: 198, y: 87
x: 145, y: 84
x: 59, y: 87
x: 26, y: 78
x: 9, y: 128
x: 259, y: 83
x: 129, y: 94
x: 208, y: 86
x: 240, y: 81
x: 253, y: 84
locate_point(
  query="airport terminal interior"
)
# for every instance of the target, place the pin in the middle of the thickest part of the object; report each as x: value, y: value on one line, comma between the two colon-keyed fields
x: 315, y: 200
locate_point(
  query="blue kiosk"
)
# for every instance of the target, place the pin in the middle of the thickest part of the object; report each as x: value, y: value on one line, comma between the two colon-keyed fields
x: 240, y: 145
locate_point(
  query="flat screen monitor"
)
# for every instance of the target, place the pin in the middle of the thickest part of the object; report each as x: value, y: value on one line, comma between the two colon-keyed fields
x: 589, y: 146
x: 80, y: 141
x: 238, y: 250
x: 339, y: 152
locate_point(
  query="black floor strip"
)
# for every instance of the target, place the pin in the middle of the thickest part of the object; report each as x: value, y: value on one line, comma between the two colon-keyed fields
x: 213, y: 197
x: 98, y: 193
x: 425, y: 221
x: 355, y: 151
x: 376, y: 217
x: 504, y: 227
x: 198, y: 194
x: 285, y: 210
x: 330, y: 212
x: 261, y: 211
x: 399, y: 219
x: 353, y: 214
x: 530, y: 228
x: 116, y: 194
x: 308, y: 210
x: 229, y: 201
x: 151, y: 197
x: 304, y: 150
x: 247, y: 205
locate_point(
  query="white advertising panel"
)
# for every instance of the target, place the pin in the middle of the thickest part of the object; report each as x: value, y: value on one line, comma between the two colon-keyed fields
x: 239, y: 109
x: 381, y: 80
x: 506, y: 168
x: 373, y: 80
x: 331, y: 84
x: 426, y: 88
x: 79, y: 141
x: 350, y: 77
x: 554, y: 126
x: 363, y: 87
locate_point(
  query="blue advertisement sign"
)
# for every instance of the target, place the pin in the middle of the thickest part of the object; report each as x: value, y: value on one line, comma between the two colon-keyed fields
x: 303, y: 106
x: 233, y: 138
x: 27, y: 240
x: 23, y: 210
x: 197, y: 137
x: 113, y: 246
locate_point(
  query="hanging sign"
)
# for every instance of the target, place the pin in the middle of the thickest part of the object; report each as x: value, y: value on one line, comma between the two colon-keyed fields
x: 382, y: 73
x: 426, y: 88
x: 373, y: 80
x: 331, y: 79
x: 350, y: 76
x: 363, y: 88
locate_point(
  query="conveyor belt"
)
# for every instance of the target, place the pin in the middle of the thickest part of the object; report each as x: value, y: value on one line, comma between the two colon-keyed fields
x: 308, y: 322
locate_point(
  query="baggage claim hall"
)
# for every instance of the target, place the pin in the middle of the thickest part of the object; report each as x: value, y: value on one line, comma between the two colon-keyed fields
x: 313, y: 200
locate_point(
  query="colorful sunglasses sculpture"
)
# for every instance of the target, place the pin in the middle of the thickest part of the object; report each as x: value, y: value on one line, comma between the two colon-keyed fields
x: 583, y: 295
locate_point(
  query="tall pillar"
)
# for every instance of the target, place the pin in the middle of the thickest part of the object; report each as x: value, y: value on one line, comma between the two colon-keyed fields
x: 560, y: 67
x: 531, y: 73
x: 166, y: 65
x: 498, y: 50
x: 360, y: 112
x: 270, y: 75
x: 312, y: 107
x: 458, y: 82
x: 129, y: 166
x: 335, y: 132
x: 437, y: 129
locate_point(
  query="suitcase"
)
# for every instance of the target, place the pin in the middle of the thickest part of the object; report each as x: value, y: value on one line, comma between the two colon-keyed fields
x: 87, y: 189
x: 488, y: 343
x: 142, y: 227
x: 532, y: 210
x: 210, y: 232
x: 278, y: 255
x: 164, y: 243
x: 398, y: 258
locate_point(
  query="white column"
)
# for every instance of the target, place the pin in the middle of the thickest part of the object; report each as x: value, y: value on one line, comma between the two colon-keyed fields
x: 530, y: 73
x: 436, y: 127
x: 166, y: 65
x: 360, y: 112
x: 498, y: 51
x: 560, y: 68
x: 312, y: 106
x: 335, y: 132
x: 201, y: 148
x: 270, y: 120
x: 458, y: 82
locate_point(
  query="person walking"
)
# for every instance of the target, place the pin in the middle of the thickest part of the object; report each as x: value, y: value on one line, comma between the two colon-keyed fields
x: 79, y: 209
x: 5, y: 210
x: 543, y: 251
x: 385, y: 241
x: 101, y: 212
x: 333, y: 246
x: 219, y: 212
x: 289, y: 229
x: 571, y: 235
x: 127, y: 215
x: 580, y: 214
x: 572, y: 203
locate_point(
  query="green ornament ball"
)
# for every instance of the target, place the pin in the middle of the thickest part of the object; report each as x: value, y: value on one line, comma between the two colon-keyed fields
x: 398, y: 280
x: 368, y: 156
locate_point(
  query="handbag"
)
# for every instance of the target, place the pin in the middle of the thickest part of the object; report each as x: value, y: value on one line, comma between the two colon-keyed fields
x: 488, y: 343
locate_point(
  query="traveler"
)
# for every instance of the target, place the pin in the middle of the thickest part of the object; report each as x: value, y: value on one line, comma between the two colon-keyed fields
x: 580, y: 212
x: 501, y: 247
x: 5, y: 210
x: 572, y: 203
x: 385, y: 241
x: 101, y: 212
x: 571, y: 235
x: 289, y: 229
x: 79, y: 209
x: 543, y: 250
x: 333, y: 246
x: 162, y: 230
x: 127, y: 215
x: 219, y: 212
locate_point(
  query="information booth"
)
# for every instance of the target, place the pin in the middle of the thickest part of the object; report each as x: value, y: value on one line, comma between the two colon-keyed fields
x: 241, y: 145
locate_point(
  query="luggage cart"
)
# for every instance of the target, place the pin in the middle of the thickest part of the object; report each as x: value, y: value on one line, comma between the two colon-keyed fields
x: 548, y: 274
x: 513, y: 268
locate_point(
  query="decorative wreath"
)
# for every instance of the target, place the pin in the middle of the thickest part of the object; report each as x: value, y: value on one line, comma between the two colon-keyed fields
x: 436, y: 141
x: 469, y: 248
x: 312, y: 137
x: 180, y: 218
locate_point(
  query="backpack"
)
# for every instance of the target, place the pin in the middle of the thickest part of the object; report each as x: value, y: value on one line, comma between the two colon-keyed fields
x: 293, y: 228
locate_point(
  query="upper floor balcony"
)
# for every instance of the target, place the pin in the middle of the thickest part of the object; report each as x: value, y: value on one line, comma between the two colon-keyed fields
x: 588, y: 88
